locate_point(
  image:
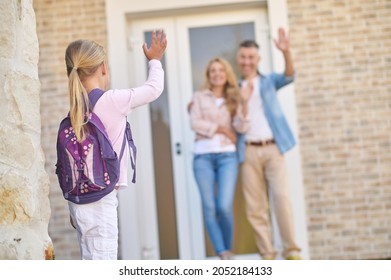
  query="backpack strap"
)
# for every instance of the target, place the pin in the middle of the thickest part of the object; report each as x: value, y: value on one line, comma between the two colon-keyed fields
x: 134, y: 149
x: 94, y: 96
x: 133, y: 153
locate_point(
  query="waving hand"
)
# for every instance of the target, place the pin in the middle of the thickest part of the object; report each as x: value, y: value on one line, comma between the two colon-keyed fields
x: 157, y: 47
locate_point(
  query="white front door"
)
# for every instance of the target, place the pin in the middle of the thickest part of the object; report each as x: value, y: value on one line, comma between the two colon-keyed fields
x: 161, y: 217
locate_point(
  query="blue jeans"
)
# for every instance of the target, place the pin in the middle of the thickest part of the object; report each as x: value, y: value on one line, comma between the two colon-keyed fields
x: 220, y: 170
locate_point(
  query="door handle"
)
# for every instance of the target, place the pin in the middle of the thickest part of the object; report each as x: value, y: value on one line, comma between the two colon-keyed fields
x: 178, y: 148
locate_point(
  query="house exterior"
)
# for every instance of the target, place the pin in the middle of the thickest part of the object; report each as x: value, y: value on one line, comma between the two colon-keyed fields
x: 339, y: 108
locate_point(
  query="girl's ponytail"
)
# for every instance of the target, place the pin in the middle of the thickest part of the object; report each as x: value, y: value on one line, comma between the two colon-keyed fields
x: 79, y: 105
x: 82, y: 58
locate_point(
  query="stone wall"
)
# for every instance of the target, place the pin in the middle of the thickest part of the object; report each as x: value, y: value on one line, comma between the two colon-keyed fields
x: 24, y: 185
x: 342, y: 51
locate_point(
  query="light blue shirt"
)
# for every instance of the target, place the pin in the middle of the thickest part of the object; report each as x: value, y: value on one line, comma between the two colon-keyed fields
x: 283, y: 135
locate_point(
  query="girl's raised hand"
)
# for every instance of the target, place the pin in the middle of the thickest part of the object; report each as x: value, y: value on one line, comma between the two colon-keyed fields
x: 157, y: 47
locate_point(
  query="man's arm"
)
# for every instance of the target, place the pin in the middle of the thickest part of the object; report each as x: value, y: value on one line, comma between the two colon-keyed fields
x: 289, y: 71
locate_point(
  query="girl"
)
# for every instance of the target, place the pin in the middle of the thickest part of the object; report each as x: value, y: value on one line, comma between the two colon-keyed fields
x: 86, y: 62
x: 216, y: 112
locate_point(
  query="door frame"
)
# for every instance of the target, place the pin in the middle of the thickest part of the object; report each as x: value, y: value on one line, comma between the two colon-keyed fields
x: 186, y: 89
x: 119, y: 13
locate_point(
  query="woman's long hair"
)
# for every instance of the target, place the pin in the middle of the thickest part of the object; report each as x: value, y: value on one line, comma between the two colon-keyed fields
x: 231, y: 88
x: 82, y: 59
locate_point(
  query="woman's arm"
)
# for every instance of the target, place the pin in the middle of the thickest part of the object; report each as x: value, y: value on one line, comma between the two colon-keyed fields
x: 197, y: 122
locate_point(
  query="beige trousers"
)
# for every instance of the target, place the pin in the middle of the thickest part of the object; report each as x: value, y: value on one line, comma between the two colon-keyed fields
x: 263, y: 171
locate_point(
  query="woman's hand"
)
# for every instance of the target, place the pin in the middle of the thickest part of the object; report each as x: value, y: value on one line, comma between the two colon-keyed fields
x: 157, y: 47
x: 227, y: 132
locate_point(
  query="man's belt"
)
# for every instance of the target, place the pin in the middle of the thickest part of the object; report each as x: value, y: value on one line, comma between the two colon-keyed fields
x: 261, y: 143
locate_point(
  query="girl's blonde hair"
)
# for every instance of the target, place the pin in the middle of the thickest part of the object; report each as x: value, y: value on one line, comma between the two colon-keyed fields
x: 231, y: 88
x: 82, y: 59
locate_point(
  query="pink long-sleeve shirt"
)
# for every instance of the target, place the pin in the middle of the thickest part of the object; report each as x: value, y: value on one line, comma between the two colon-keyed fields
x: 115, y: 104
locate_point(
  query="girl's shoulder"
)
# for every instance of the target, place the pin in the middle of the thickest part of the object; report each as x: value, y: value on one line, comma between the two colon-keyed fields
x: 114, y: 100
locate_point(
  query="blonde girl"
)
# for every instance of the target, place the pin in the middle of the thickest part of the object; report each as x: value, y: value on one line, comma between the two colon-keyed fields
x: 87, y: 69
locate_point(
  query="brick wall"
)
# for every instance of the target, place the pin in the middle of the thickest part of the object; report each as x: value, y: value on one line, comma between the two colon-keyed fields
x: 342, y: 51
x: 58, y: 23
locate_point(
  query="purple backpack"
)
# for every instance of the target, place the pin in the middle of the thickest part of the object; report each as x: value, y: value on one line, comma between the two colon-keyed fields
x: 89, y: 170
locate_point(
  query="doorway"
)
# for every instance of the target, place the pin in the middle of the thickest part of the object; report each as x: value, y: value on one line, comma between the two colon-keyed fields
x: 166, y: 207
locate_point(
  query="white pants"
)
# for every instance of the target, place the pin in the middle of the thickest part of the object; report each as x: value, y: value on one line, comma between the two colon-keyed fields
x: 97, y: 227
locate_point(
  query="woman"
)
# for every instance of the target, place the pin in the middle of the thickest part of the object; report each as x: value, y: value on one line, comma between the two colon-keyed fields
x: 217, y: 113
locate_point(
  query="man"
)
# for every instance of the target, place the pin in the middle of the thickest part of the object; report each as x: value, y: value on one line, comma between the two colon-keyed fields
x: 262, y: 148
